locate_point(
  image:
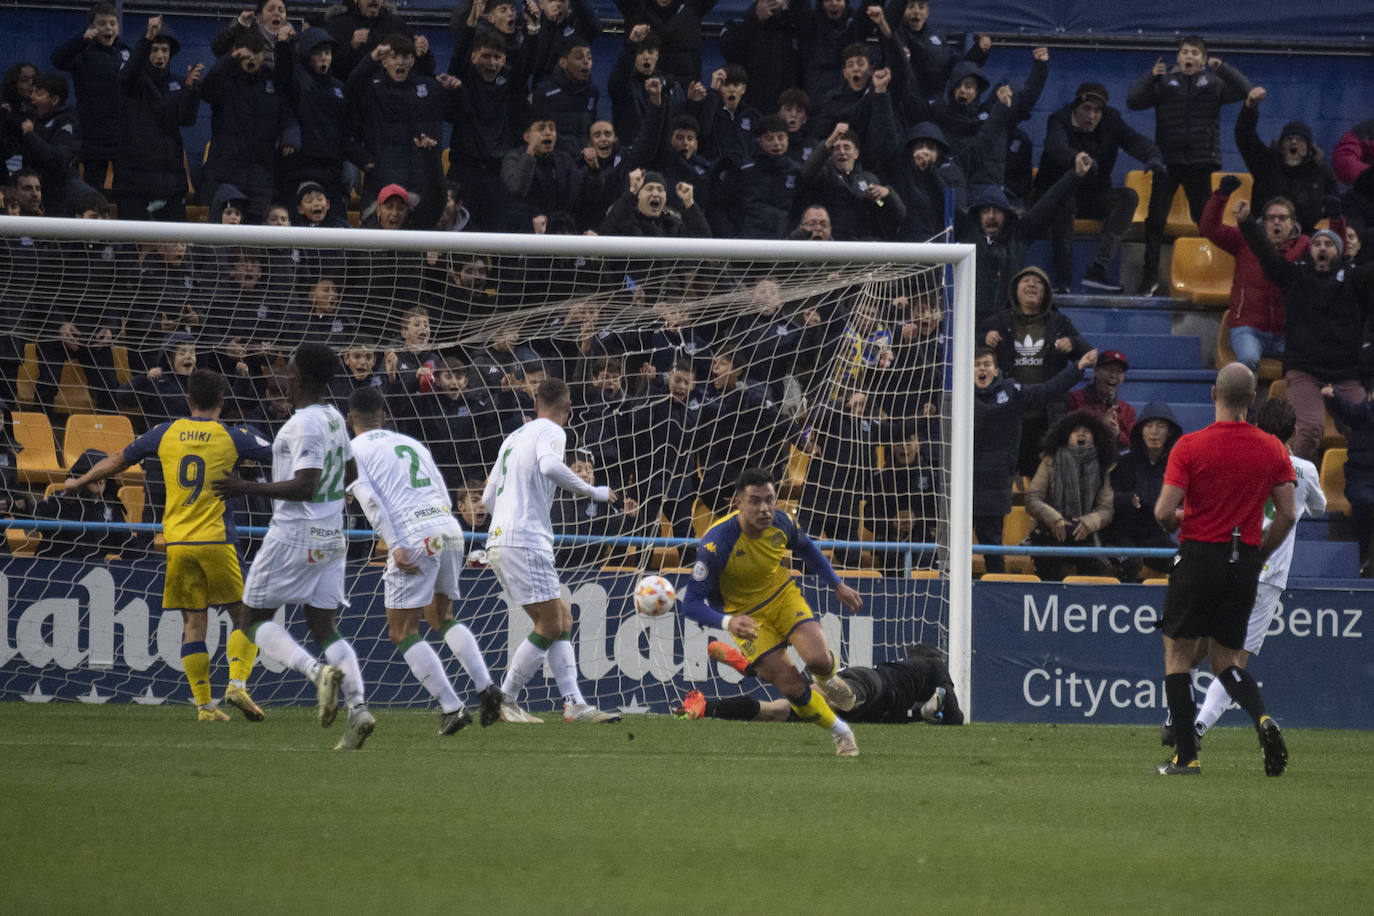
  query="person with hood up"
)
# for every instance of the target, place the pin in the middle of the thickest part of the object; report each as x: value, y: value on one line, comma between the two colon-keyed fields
x: 1352, y: 160
x: 1003, y: 238
x: 1034, y: 342
x: 149, y: 178
x: 89, y: 510
x: 1136, y: 481
x: 1070, y: 496
x: 920, y: 177
x: 977, y: 129
x: 322, y: 110
x: 1291, y: 167
x: 932, y: 58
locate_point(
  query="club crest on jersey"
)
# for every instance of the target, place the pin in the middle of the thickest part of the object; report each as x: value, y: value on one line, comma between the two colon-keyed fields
x: 433, y: 545
x: 421, y: 91
x: 316, y: 555
x: 778, y: 539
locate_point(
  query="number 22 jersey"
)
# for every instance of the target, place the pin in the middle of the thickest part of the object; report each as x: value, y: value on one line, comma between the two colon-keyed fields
x: 314, y: 437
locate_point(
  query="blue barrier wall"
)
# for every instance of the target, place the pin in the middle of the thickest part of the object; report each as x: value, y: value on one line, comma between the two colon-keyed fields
x: 1041, y: 653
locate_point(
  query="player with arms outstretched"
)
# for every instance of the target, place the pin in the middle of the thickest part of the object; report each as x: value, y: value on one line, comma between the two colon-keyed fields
x: 739, y: 567
x: 404, y: 496
x: 202, y: 559
x: 301, y: 560
x: 519, y: 495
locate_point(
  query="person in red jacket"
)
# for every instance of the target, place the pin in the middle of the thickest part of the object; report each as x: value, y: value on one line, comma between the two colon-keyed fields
x: 1256, y: 315
x: 1353, y: 162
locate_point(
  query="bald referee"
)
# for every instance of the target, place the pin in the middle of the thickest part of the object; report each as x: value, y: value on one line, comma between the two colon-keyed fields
x: 1225, y: 474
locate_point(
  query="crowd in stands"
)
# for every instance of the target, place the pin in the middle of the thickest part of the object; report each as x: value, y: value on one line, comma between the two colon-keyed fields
x: 842, y: 121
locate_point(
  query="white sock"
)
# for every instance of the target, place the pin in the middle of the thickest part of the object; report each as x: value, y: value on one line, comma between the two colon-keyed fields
x: 841, y: 727
x: 463, y: 645
x: 429, y: 671
x: 340, y: 654
x: 274, y: 642
x: 526, y: 660
x: 564, y: 665
x: 1213, y: 705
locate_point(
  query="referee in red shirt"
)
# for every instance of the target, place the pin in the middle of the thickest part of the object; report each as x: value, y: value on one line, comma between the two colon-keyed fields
x: 1215, y: 488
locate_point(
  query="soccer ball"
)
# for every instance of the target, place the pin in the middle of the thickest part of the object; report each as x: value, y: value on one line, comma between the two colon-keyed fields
x: 654, y: 596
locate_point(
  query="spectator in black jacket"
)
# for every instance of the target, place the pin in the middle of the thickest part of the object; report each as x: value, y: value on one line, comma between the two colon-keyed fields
x: 540, y: 178
x: 492, y: 100
x: 268, y: 20
x: 585, y: 516
x: 1089, y: 125
x: 604, y: 166
x: 1187, y: 102
x: 677, y: 23
x: 867, y: 98
x: 998, y: 405
x: 767, y: 44
x: 727, y: 123
x: 568, y: 94
x: 643, y: 210
x: 903, y: 501
x: 629, y: 86
x: 920, y: 176
x: 1291, y: 167
x: 14, y: 498
x: 860, y: 206
x: 150, y: 174
x: 94, y: 59
x: 825, y: 32
x: 559, y: 21
x: 50, y: 138
x: 754, y: 200
x: 1358, y: 418
x: 458, y: 422
x: 932, y: 59
x: 741, y: 427
x: 89, y: 510
x: 666, y: 475
x: 977, y: 129
x: 322, y: 109
x: 360, y: 25
x: 250, y: 122
x: 1136, y: 481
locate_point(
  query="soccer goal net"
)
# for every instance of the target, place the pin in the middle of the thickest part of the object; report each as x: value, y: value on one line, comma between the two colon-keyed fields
x: 844, y: 368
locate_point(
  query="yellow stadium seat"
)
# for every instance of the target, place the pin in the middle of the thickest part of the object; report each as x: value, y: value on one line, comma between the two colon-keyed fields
x: 859, y: 573
x: 1139, y: 181
x: 21, y: 542
x: 132, y: 497
x: 106, y: 432
x: 1156, y: 580
x: 1270, y: 369
x: 73, y: 391
x: 1331, y: 436
x: 1247, y: 187
x: 1091, y: 580
x: 1201, y: 272
x: 1010, y: 577
x: 1332, y: 479
x: 795, y: 478
x: 1180, y: 221
x: 37, y: 462
x: 925, y: 574
x: 701, y: 518
x: 1016, y: 527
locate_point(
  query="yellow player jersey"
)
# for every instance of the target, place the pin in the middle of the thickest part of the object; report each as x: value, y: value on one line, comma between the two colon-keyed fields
x: 194, y: 451
x: 741, y: 573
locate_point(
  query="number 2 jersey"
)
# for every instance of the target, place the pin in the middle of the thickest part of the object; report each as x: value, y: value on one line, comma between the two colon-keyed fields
x: 314, y: 437
x: 194, y: 451
x: 411, y: 491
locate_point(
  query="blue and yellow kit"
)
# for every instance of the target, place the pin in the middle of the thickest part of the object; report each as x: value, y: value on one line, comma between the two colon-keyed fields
x: 202, y: 561
x: 744, y: 575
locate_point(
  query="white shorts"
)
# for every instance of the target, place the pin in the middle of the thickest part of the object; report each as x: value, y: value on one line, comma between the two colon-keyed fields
x: 438, y: 575
x: 527, y: 576
x: 1266, y: 605
x: 285, y: 573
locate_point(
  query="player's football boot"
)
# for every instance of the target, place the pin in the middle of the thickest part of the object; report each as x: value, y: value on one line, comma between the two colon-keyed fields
x: 238, y: 698
x: 693, y: 706
x: 455, y: 721
x: 837, y: 693
x: 328, y: 680
x: 724, y: 652
x: 512, y: 713
x: 360, y: 725
x: 933, y: 710
x: 1275, y: 751
x: 586, y: 712
x: 491, y: 700
x: 1172, y: 767
x: 211, y: 715
x: 845, y: 745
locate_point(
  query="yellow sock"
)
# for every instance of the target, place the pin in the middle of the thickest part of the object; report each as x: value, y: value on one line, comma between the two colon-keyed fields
x: 815, y: 710
x: 829, y: 672
x: 196, y: 661
x: 242, y: 653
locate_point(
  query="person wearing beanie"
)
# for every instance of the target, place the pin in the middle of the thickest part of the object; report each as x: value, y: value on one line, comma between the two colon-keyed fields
x: 643, y: 210
x: 1326, y: 306
x: 1291, y: 167
x: 1089, y: 125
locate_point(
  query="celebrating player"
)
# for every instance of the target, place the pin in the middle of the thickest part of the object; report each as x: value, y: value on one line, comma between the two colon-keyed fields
x: 301, y: 560
x: 739, y: 566
x: 519, y: 495
x: 1225, y: 473
x: 404, y: 496
x: 202, y: 560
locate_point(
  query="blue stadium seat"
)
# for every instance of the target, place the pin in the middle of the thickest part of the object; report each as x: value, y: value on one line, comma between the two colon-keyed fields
x: 1176, y: 386
x: 1325, y: 559
x: 1192, y: 417
x: 1153, y: 351
x: 1096, y: 321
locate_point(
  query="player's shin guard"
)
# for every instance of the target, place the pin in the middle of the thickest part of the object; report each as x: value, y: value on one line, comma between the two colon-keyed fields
x: 429, y: 671
x: 525, y: 660
x: 1243, y: 689
x: 339, y: 653
x: 274, y: 642
x: 242, y: 653
x: 564, y: 665
x: 811, y: 707
x: 463, y: 645
x: 1178, y: 688
x: 196, y: 662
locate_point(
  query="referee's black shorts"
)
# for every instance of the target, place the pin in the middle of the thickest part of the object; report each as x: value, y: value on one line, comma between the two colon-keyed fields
x: 1209, y: 595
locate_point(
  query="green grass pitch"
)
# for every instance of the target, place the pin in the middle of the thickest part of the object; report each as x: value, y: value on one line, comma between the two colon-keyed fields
x: 115, y: 809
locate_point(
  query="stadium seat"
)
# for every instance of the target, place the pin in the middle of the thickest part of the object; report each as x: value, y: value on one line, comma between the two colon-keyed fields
x: 1270, y: 369
x: 1015, y: 529
x: 1091, y: 580
x: 37, y: 461
x: 132, y: 497
x: 795, y: 478
x: 1247, y: 187
x: 1010, y: 577
x: 21, y: 542
x: 1332, y: 479
x: 701, y: 518
x: 1180, y: 220
x: 1200, y: 272
x: 1155, y: 580
x: 859, y: 573
x: 1331, y: 436
x: 108, y: 433
x: 925, y: 574
x: 1139, y: 181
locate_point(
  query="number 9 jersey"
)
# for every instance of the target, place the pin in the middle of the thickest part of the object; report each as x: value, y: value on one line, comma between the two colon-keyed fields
x: 194, y: 451
x: 314, y: 437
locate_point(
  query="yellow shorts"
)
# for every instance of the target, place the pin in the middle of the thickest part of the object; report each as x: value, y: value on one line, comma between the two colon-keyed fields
x: 199, y: 575
x: 777, y: 618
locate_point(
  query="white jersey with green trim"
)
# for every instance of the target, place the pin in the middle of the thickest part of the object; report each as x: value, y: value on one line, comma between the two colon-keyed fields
x: 314, y: 437
x: 406, y: 482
